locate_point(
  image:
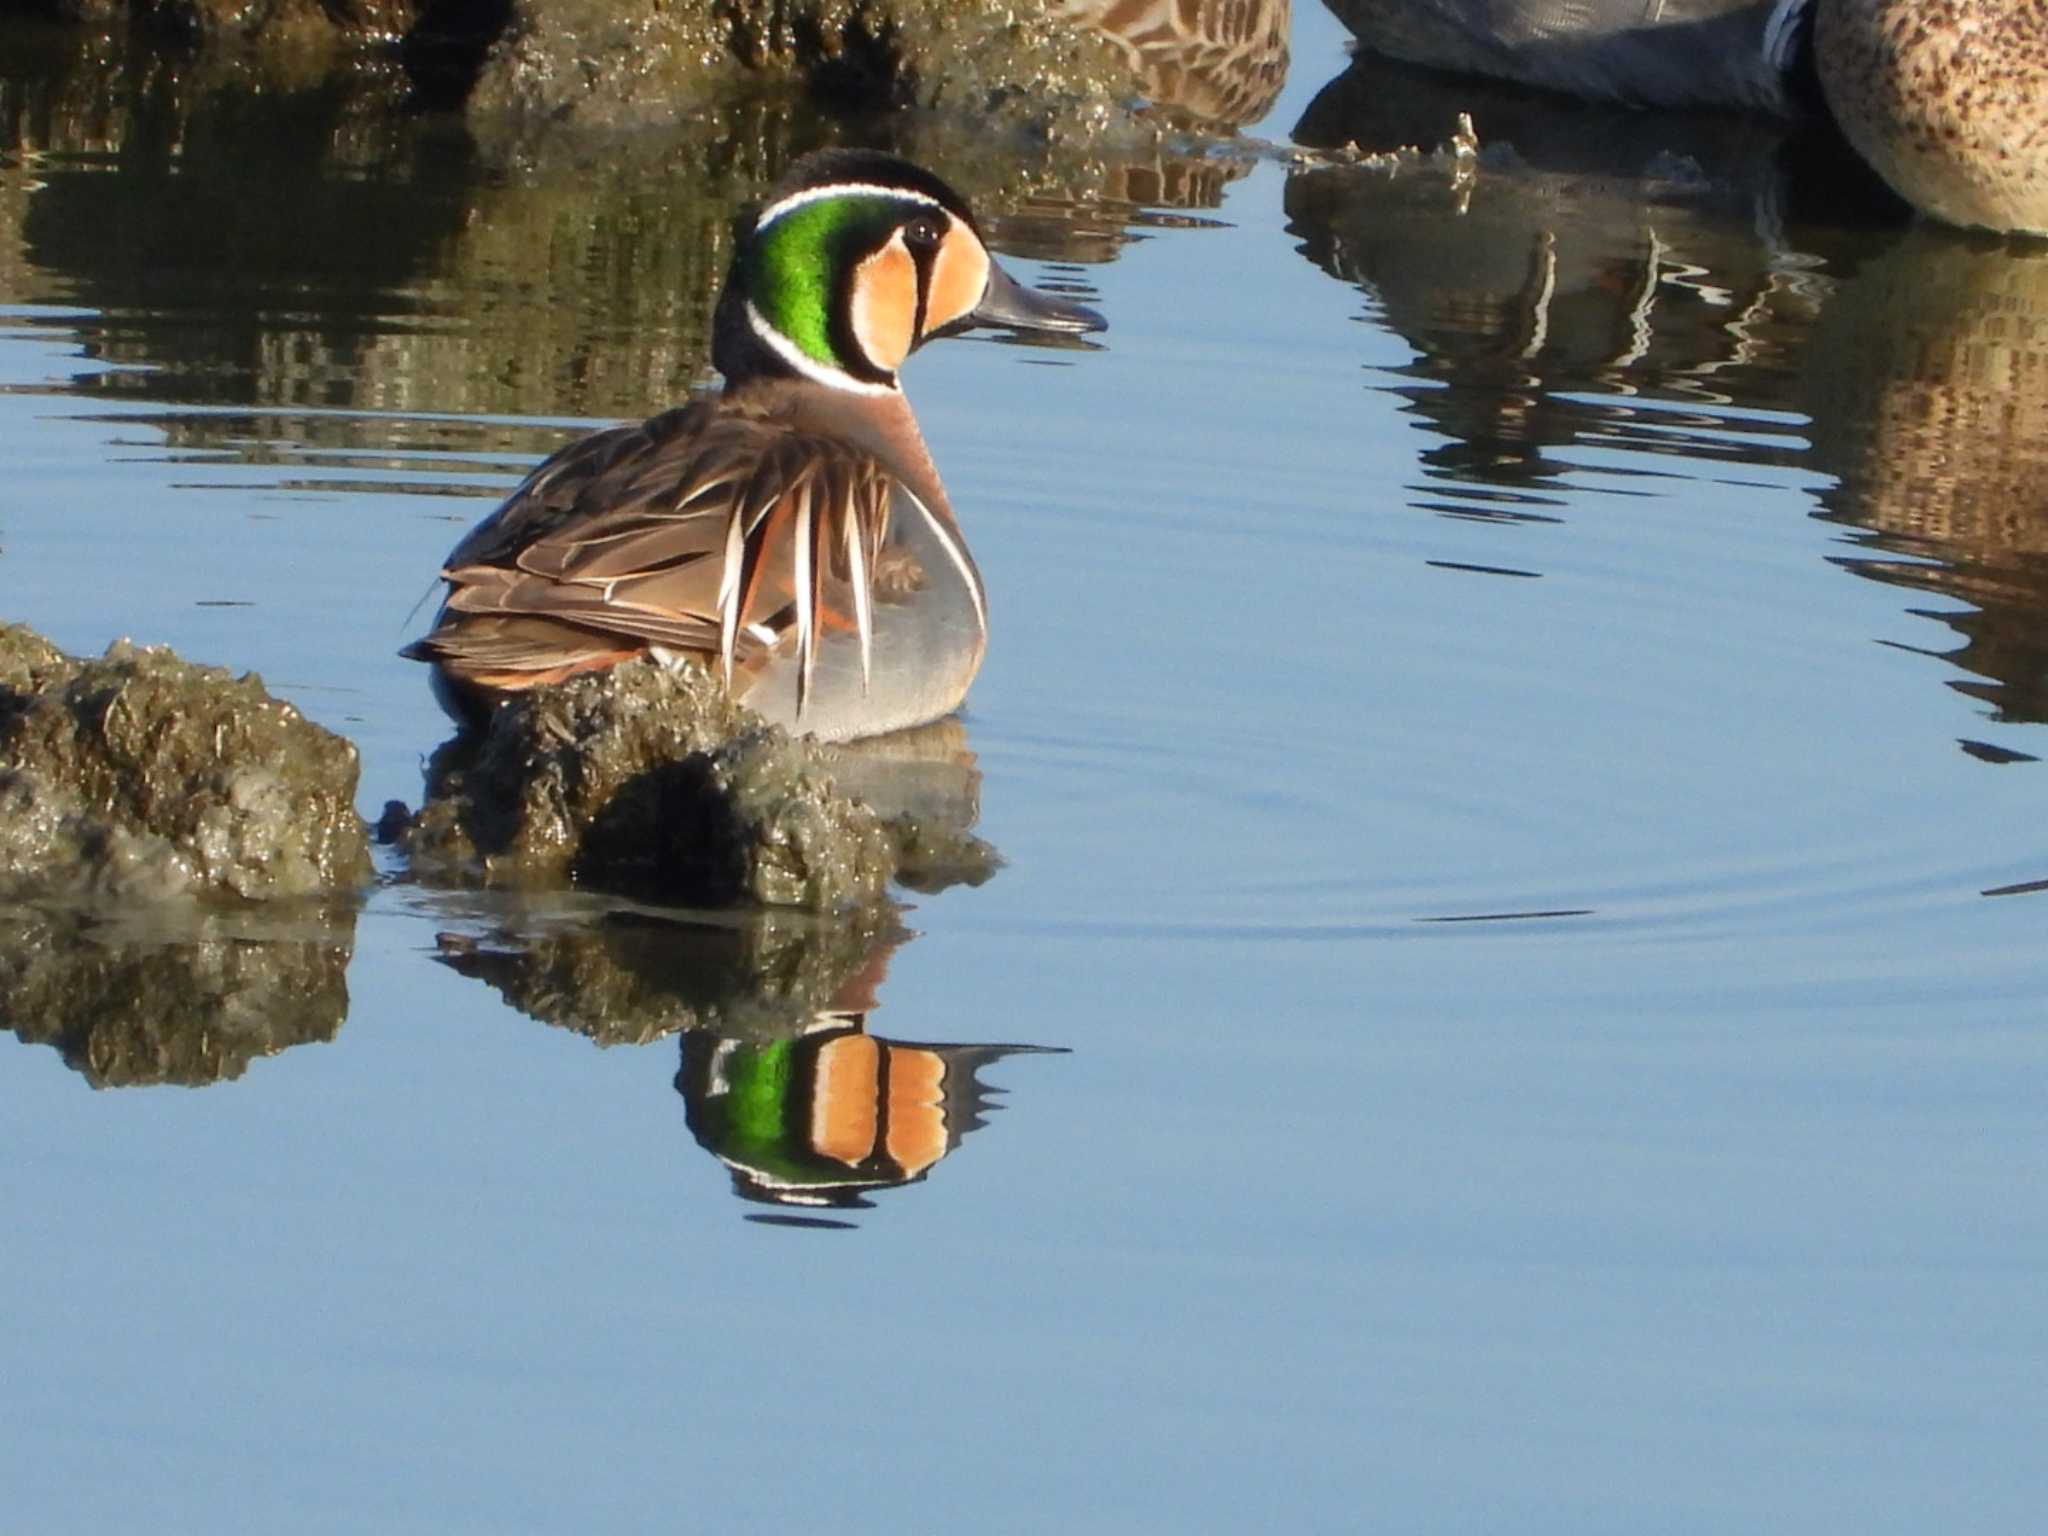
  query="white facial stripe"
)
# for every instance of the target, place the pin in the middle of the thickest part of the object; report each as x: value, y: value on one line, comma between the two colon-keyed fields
x: 809, y: 195
x: 810, y: 367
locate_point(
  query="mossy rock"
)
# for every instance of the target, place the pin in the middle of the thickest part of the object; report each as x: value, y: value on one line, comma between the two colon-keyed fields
x: 143, y: 776
x: 596, y: 62
x: 652, y: 782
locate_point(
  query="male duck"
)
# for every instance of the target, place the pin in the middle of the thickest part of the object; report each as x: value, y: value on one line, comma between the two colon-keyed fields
x: 790, y: 532
x: 1947, y: 99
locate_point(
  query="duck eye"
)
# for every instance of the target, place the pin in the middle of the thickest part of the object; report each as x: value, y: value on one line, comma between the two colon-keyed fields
x: 922, y: 234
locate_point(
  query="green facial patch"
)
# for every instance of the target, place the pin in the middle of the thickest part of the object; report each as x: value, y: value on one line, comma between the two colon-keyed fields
x: 795, y: 268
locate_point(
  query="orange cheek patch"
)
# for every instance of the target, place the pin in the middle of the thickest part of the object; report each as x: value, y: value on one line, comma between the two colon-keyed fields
x: 959, y: 278
x: 885, y: 305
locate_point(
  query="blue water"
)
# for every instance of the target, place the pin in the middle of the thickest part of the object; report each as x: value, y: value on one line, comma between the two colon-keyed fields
x: 1698, y: 1190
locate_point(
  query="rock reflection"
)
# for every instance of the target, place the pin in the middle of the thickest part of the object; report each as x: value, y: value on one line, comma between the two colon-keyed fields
x: 296, y: 251
x: 631, y: 976
x: 172, y: 996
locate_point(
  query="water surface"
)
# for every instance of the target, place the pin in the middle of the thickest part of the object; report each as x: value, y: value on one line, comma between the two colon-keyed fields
x: 1512, y: 722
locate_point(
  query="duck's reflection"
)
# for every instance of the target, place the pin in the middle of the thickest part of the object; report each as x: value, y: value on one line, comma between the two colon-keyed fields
x: 172, y: 996
x: 781, y: 1079
x: 829, y: 1115
x: 1928, y: 389
x: 1582, y: 260
x: 1656, y: 285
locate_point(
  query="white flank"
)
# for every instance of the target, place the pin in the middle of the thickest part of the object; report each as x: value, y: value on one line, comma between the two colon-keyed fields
x: 806, y: 617
x: 729, y: 593
x: 863, y: 599
x: 954, y: 551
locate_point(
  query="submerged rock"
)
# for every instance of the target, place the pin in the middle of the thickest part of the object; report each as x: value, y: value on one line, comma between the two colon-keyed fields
x: 652, y: 782
x: 142, y: 776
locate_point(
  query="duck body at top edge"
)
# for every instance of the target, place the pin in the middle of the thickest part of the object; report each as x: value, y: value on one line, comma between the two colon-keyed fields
x: 1947, y: 100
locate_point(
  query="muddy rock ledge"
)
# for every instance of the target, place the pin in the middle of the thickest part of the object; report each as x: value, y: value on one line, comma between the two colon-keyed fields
x: 655, y: 784
x: 617, y: 64
x: 139, y: 776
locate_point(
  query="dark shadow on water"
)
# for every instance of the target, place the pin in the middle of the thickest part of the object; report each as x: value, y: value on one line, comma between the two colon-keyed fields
x: 802, y: 1223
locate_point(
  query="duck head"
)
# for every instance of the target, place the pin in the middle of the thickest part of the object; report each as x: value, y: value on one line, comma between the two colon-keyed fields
x: 857, y: 259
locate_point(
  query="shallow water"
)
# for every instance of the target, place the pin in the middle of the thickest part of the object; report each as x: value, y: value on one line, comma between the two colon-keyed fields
x: 1512, y: 722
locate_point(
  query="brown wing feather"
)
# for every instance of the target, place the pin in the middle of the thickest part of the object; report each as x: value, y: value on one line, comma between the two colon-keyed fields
x: 623, y: 540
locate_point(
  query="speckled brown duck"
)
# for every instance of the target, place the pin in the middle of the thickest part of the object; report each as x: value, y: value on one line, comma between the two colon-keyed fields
x: 1220, y: 61
x: 791, y: 532
x: 1947, y: 100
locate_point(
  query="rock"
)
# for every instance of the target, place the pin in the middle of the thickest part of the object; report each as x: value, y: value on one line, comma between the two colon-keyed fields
x: 139, y: 776
x: 600, y: 64
x: 279, y: 26
x: 650, y: 782
x: 1005, y: 65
